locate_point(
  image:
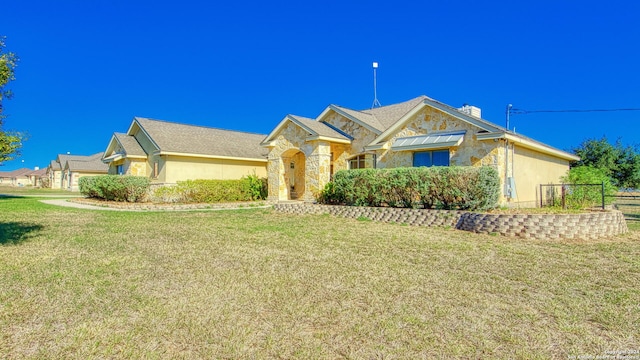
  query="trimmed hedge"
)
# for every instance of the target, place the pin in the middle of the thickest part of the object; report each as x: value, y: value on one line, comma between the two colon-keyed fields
x: 115, y: 187
x: 447, y: 187
x: 249, y: 188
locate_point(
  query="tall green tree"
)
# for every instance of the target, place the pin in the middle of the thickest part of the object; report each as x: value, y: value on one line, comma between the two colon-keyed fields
x: 621, y: 163
x: 10, y: 142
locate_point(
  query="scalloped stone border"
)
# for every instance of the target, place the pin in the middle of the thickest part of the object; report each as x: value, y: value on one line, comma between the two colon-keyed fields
x: 591, y: 225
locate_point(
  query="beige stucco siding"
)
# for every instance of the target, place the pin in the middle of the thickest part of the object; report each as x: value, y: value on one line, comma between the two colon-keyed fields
x: 532, y: 168
x: 56, y: 179
x: 177, y: 168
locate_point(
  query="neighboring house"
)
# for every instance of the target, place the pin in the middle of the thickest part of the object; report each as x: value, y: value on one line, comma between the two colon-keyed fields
x: 22, y: 177
x: 37, y: 176
x: 305, y: 153
x: 66, y: 170
x: 168, y: 152
x: 54, y: 173
x: 74, y: 169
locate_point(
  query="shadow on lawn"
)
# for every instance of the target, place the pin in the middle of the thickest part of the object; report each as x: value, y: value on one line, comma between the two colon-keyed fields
x: 17, y: 232
x: 632, y: 217
x: 9, y: 197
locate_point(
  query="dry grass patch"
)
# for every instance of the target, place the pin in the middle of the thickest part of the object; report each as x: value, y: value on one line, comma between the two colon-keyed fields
x: 258, y: 284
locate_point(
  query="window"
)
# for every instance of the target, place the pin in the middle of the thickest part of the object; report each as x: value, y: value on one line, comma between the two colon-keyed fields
x: 119, y: 170
x: 431, y: 158
x: 357, y: 162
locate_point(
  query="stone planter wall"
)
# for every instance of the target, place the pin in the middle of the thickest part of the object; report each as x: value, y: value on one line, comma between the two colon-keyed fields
x: 591, y: 225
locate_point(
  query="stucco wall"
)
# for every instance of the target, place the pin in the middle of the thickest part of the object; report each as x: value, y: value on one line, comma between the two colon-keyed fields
x: 532, y: 168
x: 178, y: 168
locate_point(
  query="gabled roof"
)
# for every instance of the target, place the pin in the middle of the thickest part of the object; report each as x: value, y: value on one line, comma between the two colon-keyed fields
x: 129, y: 145
x: 315, y: 130
x: 38, y: 173
x: 55, y: 165
x: 190, y: 140
x: 63, y: 158
x: 90, y: 165
x: 24, y: 172
x: 386, y: 121
x: 389, y: 115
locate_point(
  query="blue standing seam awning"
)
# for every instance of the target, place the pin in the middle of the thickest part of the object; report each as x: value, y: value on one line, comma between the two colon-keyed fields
x: 429, y: 141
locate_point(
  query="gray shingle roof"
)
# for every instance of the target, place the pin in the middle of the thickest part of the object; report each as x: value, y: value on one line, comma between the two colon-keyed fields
x: 130, y: 144
x: 200, y: 140
x: 89, y: 165
x: 15, y: 173
x: 320, y: 128
x: 389, y: 115
x: 55, y: 165
x: 383, y: 117
x: 366, y: 118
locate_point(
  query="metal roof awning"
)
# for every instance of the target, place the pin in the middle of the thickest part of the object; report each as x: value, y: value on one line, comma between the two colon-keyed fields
x: 429, y: 141
x: 114, y: 157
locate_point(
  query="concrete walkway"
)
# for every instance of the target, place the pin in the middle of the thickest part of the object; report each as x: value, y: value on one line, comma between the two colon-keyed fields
x: 72, y: 204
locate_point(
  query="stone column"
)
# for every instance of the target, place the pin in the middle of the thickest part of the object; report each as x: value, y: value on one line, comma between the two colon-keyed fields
x: 318, y: 168
x: 274, y: 171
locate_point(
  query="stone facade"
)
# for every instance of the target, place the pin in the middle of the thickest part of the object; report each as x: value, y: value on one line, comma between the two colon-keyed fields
x: 306, y: 158
x: 325, y: 155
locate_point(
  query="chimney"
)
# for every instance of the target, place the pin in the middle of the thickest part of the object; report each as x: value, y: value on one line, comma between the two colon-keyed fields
x: 471, y: 111
x: 36, y: 168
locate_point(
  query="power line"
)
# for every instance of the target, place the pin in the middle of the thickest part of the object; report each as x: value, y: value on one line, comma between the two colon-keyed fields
x: 522, y: 112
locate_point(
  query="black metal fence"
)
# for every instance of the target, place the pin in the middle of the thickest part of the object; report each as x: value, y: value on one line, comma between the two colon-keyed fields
x: 572, y: 196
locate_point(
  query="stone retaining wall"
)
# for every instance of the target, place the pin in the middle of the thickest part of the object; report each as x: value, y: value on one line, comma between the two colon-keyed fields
x: 417, y: 217
x: 589, y: 225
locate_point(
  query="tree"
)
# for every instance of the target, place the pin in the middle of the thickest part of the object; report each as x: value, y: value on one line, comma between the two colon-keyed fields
x: 620, y: 163
x: 10, y: 142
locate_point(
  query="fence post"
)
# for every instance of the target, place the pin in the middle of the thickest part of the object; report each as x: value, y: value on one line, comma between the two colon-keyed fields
x: 603, y: 195
x: 540, y: 195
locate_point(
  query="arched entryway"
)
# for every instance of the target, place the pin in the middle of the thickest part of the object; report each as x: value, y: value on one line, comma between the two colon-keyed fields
x: 293, y: 175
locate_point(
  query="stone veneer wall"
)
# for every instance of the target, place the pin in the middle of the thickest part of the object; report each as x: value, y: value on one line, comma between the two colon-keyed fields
x: 590, y: 225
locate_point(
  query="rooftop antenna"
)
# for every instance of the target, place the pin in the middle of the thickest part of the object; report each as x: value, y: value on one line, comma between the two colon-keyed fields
x: 375, y: 87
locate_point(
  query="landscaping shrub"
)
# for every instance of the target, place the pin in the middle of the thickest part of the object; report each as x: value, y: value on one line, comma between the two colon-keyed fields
x: 249, y: 188
x: 115, y: 187
x: 580, y: 197
x: 450, y: 187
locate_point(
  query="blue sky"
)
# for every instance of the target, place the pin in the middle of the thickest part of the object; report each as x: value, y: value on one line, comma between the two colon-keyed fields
x: 88, y: 67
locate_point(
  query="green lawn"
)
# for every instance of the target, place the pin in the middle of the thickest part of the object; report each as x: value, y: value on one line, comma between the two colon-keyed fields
x: 78, y: 284
x: 31, y: 191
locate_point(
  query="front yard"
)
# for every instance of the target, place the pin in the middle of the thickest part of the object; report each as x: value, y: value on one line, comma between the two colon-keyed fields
x: 257, y: 284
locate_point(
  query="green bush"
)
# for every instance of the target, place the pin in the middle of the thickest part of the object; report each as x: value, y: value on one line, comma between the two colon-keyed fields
x: 580, y: 197
x: 249, y: 188
x: 441, y: 187
x: 115, y: 187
